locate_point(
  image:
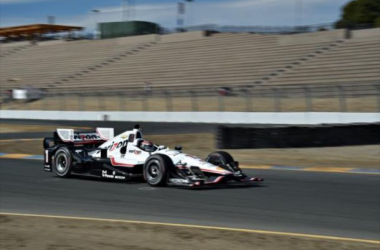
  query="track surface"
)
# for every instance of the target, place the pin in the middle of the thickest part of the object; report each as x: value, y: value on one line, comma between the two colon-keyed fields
x: 345, y: 205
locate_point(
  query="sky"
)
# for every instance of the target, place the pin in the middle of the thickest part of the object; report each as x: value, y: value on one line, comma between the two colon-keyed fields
x: 164, y: 12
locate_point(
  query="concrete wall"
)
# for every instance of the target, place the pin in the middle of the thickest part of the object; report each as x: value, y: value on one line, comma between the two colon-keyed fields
x: 177, y: 37
x: 315, y: 37
x: 297, y: 136
x: 185, y: 36
x: 311, y: 118
x: 367, y: 33
x: 137, y: 39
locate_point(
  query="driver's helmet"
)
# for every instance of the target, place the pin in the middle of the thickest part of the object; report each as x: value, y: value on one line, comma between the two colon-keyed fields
x: 147, y: 146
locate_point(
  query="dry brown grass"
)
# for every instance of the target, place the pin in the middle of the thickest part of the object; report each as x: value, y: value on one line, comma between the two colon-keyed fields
x: 17, y: 128
x: 20, y: 232
x: 230, y: 103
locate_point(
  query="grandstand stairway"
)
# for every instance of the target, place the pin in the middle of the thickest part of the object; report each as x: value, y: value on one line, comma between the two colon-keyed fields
x: 219, y: 60
x: 8, y: 51
x: 303, y: 60
x: 356, y: 61
x: 107, y: 62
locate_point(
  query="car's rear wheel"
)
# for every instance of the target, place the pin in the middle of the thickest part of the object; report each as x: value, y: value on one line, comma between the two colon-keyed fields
x: 63, y: 162
x: 156, y: 170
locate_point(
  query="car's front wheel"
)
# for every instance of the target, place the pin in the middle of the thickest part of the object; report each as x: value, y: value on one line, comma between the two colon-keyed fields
x: 220, y: 158
x: 63, y: 162
x: 156, y: 170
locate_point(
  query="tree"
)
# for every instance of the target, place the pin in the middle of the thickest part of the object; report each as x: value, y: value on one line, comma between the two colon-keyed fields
x: 359, y: 12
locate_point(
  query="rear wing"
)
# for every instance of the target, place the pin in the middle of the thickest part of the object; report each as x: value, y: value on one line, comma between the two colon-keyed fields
x: 69, y: 135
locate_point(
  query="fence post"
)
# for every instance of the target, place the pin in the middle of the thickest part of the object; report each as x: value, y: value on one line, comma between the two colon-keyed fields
x: 121, y: 101
x: 377, y: 86
x: 248, y: 100
x: 342, y: 99
x: 81, y: 102
x: 169, y: 104
x: 62, y: 103
x: 194, y: 103
x: 221, y: 102
x: 277, y: 101
x: 44, y: 101
x: 308, y: 99
x: 101, y: 102
x: 144, y: 101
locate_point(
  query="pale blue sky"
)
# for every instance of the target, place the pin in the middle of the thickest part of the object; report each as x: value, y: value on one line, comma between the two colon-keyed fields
x: 164, y: 12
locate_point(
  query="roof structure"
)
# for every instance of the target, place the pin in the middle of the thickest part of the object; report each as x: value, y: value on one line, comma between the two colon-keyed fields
x: 36, y: 29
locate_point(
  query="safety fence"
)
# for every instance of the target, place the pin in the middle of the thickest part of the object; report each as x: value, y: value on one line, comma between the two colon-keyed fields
x: 292, y: 98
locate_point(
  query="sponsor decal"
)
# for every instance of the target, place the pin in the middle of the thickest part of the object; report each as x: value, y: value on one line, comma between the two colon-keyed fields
x: 115, y: 145
x: 179, y: 181
x: 86, y: 137
x: 136, y: 152
x: 194, y: 157
x: 112, y: 175
x: 124, y: 136
x: 48, y: 168
x: 238, y: 173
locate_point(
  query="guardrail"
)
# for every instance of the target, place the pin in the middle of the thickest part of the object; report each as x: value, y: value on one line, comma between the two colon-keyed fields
x: 291, y: 98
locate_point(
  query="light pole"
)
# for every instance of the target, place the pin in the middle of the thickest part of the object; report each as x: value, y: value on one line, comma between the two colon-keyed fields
x: 96, y: 31
x: 189, y: 12
x: 298, y: 12
x: 181, y: 14
x: 51, y: 19
x: 127, y: 10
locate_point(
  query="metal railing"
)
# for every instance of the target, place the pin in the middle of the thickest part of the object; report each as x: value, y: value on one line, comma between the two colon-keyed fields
x: 297, y: 98
x: 266, y: 29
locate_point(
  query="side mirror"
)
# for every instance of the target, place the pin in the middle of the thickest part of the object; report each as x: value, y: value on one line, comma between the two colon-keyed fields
x: 179, y: 148
x: 123, y: 150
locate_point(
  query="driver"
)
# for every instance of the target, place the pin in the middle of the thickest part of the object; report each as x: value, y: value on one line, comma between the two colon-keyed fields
x: 147, y: 146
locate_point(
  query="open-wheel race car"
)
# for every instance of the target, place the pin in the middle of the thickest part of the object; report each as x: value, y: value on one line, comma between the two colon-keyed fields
x: 128, y: 156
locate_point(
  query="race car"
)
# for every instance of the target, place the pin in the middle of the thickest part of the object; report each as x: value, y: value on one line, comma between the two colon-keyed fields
x: 128, y: 156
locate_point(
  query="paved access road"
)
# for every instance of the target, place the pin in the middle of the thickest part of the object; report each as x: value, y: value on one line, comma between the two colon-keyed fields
x: 345, y: 205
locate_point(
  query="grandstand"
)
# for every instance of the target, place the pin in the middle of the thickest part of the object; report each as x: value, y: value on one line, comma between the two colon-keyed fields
x: 191, y: 60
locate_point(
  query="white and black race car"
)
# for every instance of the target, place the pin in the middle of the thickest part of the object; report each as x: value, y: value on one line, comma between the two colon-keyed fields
x: 128, y: 156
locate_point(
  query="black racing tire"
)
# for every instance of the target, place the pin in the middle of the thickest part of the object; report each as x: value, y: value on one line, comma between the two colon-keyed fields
x: 220, y: 158
x: 156, y: 170
x: 63, y: 162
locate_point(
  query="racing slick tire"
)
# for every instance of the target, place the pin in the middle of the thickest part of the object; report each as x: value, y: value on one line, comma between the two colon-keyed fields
x: 220, y: 158
x: 156, y: 170
x: 63, y: 162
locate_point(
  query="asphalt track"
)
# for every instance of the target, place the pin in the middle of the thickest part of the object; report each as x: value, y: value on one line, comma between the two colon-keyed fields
x: 342, y: 205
